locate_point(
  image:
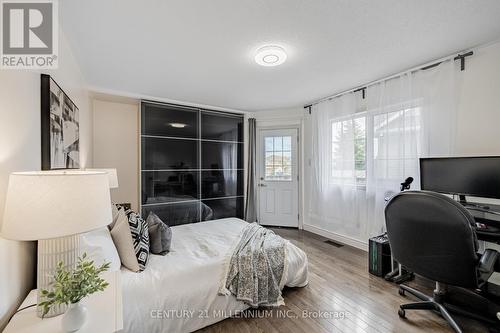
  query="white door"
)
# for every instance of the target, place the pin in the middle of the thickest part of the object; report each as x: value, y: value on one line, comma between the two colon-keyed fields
x: 278, y: 177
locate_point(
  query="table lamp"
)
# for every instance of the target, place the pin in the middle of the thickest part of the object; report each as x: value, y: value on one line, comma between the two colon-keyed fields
x: 53, y: 207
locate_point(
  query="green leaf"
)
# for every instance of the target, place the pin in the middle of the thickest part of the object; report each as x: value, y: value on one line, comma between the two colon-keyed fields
x: 72, y: 285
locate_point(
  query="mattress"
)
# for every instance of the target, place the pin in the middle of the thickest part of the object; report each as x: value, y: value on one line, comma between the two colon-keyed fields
x: 179, y: 292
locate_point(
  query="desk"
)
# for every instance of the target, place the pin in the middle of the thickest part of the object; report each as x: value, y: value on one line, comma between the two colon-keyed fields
x: 105, y: 313
x: 489, y: 217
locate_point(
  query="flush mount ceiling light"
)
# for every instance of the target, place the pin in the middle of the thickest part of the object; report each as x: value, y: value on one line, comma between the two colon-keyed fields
x: 178, y: 125
x: 270, y: 55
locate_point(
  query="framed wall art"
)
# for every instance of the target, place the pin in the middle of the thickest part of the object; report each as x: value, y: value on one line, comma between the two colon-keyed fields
x: 60, y: 127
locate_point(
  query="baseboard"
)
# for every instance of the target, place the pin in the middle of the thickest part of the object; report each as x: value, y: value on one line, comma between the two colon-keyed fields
x: 336, y: 237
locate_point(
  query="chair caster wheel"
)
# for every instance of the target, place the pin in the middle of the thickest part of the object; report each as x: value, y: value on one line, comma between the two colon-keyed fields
x: 401, y: 313
x: 401, y: 292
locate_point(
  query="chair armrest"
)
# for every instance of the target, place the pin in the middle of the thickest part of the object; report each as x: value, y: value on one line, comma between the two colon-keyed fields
x: 490, y: 261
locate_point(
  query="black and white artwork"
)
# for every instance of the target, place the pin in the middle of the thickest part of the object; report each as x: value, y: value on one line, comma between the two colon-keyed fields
x: 60, y: 128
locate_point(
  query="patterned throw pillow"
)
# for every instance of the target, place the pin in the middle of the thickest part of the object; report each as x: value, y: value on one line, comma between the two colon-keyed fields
x: 140, y: 237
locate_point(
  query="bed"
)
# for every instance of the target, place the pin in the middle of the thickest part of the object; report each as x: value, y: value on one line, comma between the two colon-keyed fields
x: 179, y: 292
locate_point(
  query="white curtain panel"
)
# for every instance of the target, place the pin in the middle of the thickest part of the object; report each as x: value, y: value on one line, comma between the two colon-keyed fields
x: 363, y: 149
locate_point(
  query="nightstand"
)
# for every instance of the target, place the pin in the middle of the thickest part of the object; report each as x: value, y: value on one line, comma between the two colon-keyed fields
x: 105, y: 312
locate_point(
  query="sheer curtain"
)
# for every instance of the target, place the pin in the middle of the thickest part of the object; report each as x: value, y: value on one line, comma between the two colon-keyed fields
x: 336, y: 202
x: 363, y: 149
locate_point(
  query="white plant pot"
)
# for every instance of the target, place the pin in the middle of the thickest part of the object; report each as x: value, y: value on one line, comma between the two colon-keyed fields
x: 74, y: 318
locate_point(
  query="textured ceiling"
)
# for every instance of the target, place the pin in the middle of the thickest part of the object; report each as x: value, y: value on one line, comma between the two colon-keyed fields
x: 202, y: 51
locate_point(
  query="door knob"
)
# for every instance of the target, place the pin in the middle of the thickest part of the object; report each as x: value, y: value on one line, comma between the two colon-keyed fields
x: 262, y: 185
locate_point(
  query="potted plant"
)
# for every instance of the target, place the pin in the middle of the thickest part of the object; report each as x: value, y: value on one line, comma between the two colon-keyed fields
x: 70, y: 286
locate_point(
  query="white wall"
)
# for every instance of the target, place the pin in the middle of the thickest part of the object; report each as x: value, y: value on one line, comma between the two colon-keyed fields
x: 116, y: 145
x: 268, y: 117
x: 20, y: 148
x: 479, y: 110
x: 478, y: 127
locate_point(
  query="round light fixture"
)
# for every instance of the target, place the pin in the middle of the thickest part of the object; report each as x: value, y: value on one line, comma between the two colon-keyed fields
x: 270, y: 55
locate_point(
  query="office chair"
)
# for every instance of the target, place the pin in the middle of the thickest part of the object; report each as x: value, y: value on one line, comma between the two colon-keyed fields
x: 433, y: 236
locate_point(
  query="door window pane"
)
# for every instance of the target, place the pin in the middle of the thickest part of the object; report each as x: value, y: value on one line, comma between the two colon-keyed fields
x: 287, y: 143
x: 278, y: 143
x: 269, y: 158
x: 278, y: 158
x: 287, y: 158
x: 269, y: 144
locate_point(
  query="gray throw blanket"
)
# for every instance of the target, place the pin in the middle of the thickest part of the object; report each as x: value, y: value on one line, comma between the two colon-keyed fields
x: 256, y: 270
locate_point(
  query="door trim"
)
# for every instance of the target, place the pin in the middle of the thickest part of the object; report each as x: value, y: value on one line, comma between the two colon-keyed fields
x: 299, y: 128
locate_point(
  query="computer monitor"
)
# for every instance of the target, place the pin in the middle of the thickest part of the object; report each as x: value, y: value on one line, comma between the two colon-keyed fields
x: 465, y: 176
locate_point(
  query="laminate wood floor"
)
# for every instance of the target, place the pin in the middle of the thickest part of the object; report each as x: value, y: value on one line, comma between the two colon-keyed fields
x: 341, y: 297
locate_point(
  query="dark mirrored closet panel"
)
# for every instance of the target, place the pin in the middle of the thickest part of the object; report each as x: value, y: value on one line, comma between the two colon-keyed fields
x: 191, y: 163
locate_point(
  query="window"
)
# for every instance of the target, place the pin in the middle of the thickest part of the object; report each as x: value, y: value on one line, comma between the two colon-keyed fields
x: 393, y: 139
x: 278, y: 160
x: 349, y: 151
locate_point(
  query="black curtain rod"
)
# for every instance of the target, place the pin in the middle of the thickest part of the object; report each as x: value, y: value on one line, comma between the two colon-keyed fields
x: 460, y: 57
x: 363, y: 90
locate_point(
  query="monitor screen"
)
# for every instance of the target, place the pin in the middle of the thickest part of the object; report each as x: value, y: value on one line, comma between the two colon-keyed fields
x: 473, y: 176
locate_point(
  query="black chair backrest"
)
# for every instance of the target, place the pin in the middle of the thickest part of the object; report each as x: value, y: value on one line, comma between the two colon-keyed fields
x: 432, y: 235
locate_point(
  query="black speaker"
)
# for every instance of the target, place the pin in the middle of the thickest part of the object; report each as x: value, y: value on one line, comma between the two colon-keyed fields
x: 379, y: 253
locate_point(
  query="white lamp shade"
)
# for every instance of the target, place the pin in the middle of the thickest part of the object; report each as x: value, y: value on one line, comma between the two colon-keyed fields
x: 112, y: 175
x: 51, y: 204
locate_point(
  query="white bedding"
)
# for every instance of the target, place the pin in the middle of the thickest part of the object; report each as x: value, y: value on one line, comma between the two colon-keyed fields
x: 179, y: 292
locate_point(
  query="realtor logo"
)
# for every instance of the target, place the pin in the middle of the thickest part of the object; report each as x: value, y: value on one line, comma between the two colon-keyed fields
x: 29, y: 34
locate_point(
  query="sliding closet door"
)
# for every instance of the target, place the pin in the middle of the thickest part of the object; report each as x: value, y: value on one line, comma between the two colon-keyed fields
x: 170, y: 177
x: 221, y: 165
x: 191, y: 163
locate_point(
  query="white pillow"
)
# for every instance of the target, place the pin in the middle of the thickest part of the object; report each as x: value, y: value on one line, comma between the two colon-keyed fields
x: 100, y: 247
x: 124, y: 243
